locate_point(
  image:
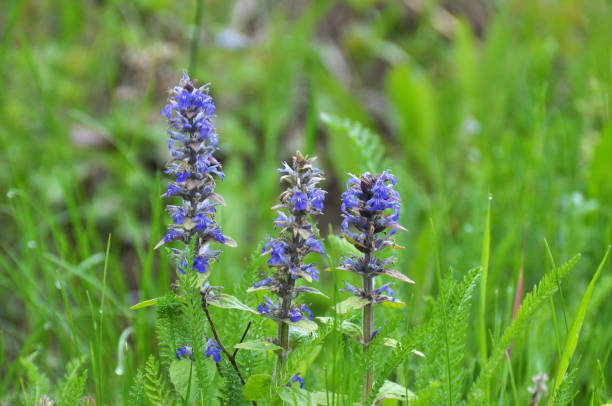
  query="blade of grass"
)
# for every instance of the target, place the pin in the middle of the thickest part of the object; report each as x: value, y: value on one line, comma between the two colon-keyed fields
x: 486, y: 242
x: 574, y: 332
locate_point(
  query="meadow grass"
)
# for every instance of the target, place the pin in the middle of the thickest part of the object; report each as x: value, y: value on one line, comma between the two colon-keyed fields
x: 512, y: 103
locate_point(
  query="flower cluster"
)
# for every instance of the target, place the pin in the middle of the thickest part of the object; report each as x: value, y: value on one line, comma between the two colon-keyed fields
x: 212, y: 350
x: 193, y: 140
x: 300, y: 199
x: 370, y: 207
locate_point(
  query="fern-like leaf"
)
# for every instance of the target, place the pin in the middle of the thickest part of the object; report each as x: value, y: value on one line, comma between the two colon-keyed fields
x: 532, y: 302
x: 367, y: 144
x: 155, y: 385
x: 73, y: 387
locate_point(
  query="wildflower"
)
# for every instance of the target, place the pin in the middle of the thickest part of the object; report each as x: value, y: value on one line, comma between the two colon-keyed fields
x: 296, y: 378
x: 370, y: 208
x: 192, y: 142
x: 300, y: 199
x: 213, y: 349
x: 184, y: 352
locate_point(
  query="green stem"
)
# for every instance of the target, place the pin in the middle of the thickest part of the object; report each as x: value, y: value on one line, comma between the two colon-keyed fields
x: 368, y: 329
x: 195, y: 39
x: 368, y: 310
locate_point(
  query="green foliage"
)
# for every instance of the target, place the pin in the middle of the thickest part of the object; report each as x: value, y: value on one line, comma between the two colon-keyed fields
x: 74, y: 384
x: 138, y: 391
x: 155, y: 385
x: 565, y: 393
x: 508, y: 98
x: 370, y: 150
x: 444, y: 348
x: 532, y: 302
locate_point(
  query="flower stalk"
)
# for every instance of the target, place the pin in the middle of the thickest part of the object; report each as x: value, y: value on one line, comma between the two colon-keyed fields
x: 370, y: 208
x: 301, y: 199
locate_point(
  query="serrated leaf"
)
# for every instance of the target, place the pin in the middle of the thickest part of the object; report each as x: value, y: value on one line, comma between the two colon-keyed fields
x: 144, y: 303
x: 350, y: 304
x: 225, y: 301
x: 257, y: 387
x: 180, y: 373
x: 392, y: 390
x: 257, y: 345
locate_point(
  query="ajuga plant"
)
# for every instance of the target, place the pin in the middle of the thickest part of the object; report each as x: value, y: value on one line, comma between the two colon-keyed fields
x: 370, y: 208
x: 193, y: 140
x: 297, y: 238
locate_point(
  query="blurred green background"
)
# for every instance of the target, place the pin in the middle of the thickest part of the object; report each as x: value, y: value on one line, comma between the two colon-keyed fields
x: 469, y: 98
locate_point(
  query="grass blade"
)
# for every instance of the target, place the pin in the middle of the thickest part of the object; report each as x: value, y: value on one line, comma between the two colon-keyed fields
x: 574, y: 333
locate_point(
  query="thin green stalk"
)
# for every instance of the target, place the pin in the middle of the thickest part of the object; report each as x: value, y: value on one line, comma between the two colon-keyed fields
x: 368, y: 329
x: 368, y: 313
x: 195, y: 39
x: 486, y: 243
x: 444, y: 317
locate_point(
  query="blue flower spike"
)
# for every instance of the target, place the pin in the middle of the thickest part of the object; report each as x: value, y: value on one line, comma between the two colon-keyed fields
x: 299, y: 201
x: 370, y: 211
x: 192, y: 142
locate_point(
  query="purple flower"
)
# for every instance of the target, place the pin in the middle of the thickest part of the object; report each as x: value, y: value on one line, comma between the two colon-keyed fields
x: 213, y: 349
x: 172, y: 235
x: 167, y: 111
x: 200, y: 264
x: 296, y: 378
x: 295, y: 315
x: 350, y: 288
x: 182, y: 265
x: 264, y: 282
x: 184, y: 352
x: 177, y: 214
x: 182, y: 176
x: 278, y: 252
x: 314, y: 245
x: 312, y: 271
x: 305, y: 309
x: 386, y: 288
x: 173, y: 190
x: 299, y: 200
x: 266, y: 306
x: 316, y: 197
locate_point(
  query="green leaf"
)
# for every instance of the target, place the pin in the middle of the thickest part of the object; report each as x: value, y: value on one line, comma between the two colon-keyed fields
x: 295, y: 396
x: 305, y: 324
x: 180, y: 373
x: 314, y: 291
x: 397, y: 275
x: 229, y: 302
x: 392, y: 390
x: 350, y: 304
x: 257, y: 387
x: 398, y: 304
x: 574, y: 333
x: 145, y: 303
x: 257, y: 345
